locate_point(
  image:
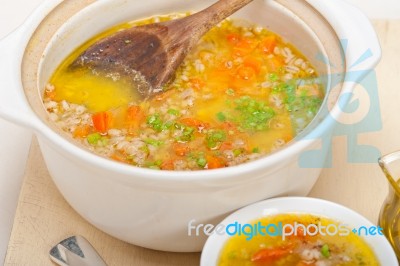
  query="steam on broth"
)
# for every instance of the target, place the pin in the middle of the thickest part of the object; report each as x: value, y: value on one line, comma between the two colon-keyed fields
x: 241, y: 94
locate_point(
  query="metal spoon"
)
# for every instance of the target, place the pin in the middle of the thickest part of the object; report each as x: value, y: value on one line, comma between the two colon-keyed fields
x: 75, y: 251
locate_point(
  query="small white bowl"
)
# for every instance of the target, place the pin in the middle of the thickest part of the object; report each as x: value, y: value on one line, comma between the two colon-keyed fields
x: 318, y: 207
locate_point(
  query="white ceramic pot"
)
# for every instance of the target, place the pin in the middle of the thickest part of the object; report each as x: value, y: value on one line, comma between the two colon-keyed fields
x: 152, y: 208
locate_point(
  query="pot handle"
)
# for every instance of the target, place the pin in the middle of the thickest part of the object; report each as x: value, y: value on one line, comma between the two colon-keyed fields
x: 13, y: 103
x: 358, y: 38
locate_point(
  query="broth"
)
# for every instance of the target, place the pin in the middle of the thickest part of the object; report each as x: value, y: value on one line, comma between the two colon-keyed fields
x: 315, y: 248
x: 241, y: 94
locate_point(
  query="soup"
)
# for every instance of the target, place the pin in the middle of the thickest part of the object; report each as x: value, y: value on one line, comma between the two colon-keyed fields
x: 304, y: 245
x: 241, y: 94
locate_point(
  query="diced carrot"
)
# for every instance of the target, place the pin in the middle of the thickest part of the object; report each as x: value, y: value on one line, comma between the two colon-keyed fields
x: 51, y: 94
x: 225, y: 146
x: 269, y: 255
x: 102, y: 121
x: 246, y: 73
x: 196, y: 83
x: 214, y: 162
x: 299, y: 234
x: 268, y: 44
x: 274, y: 63
x: 133, y: 113
x: 252, y: 62
x: 219, y: 77
x: 193, y: 122
x: 240, y: 85
x: 288, y: 230
x: 243, y: 47
x: 134, y: 117
x: 300, y: 231
x: 242, y: 77
x: 81, y: 131
x: 167, y: 165
x: 246, y: 44
x: 233, y: 38
x: 288, y: 137
x: 118, y: 157
x: 180, y: 149
x: 227, y: 125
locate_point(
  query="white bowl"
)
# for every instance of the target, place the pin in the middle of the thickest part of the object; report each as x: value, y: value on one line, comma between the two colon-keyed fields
x: 381, y: 246
x: 152, y: 208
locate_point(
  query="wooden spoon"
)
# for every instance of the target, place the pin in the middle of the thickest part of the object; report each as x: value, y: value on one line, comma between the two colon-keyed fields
x: 150, y: 54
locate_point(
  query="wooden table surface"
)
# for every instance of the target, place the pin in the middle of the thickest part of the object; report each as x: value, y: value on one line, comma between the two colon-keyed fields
x: 43, y: 217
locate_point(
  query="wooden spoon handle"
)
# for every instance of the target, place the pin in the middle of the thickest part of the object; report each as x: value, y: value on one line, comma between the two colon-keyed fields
x: 222, y: 9
x: 201, y: 22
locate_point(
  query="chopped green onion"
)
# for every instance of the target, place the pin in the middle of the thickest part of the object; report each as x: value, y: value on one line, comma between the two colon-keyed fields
x: 314, y: 105
x: 155, y: 122
x: 173, y: 112
x: 187, y: 132
x: 221, y: 117
x: 145, y: 149
x: 290, y: 89
x: 153, y: 142
x: 167, y: 125
x: 228, y: 102
x: 325, y: 251
x: 254, y: 115
x: 94, y: 138
x: 103, y: 141
x: 256, y: 150
x: 237, y: 152
x: 154, y: 165
x: 214, y: 138
x: 201, y: 162
x: 273, y: 77
x: 230, y: 92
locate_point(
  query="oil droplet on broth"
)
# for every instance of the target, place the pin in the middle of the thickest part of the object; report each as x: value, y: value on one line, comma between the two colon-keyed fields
x: 97, y: 91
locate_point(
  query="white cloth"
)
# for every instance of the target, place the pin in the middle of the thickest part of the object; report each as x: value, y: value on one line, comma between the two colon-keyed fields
x: 14, y: 147
x: 14, y: 140
x: 383, y: 9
